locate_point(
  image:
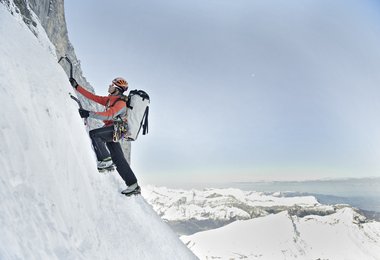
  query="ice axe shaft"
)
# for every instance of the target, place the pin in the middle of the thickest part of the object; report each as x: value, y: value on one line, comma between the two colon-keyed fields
x: 76, y: 100
x: 69, y: 61
x: 80, y: 106
x: 71, y: 75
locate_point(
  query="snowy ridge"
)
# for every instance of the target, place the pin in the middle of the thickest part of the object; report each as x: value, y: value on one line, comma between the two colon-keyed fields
x: 342, y: 235
x: 255, y: 225
x: 32, y: 22
x: 54, y: 204
x: 224, y: 204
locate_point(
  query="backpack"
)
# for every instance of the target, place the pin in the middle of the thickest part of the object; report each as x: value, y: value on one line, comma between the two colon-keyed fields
x: 129, y: 125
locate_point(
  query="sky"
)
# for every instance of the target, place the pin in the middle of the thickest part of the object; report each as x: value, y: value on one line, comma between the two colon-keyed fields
x: 242, y: 90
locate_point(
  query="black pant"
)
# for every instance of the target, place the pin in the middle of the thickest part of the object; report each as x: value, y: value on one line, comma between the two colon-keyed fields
x: 101, y: 138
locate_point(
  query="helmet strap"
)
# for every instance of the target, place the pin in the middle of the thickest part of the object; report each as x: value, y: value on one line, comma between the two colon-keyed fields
x: 119, y: 88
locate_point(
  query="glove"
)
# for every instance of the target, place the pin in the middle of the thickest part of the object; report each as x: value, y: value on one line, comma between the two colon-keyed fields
x: 73, y: 83
x: 84, y: 113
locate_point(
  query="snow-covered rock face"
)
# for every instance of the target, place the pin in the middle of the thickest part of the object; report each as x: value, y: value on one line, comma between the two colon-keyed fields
x: 47, y: 17
x: 46, y: 20
x: 53, y: 202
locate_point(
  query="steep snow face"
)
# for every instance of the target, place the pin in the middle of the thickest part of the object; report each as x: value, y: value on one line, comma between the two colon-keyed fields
x: 53, y: 202
x: 341, y: 235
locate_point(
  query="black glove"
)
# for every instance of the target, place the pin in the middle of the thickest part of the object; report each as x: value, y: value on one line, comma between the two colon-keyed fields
x: 73, y: 83
x: 84, y: 113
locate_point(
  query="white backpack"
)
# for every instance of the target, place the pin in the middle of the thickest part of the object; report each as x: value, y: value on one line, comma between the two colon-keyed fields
x: 137, y: 114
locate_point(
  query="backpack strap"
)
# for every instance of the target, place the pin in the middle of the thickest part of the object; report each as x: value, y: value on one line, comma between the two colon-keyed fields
x: 122, y: 98
x: 145, y: 125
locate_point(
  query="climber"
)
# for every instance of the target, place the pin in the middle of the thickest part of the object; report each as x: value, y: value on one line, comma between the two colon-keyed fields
x: 103, y: 138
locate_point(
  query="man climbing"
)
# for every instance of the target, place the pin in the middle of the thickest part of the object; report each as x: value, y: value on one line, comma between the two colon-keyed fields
x: 104, y: 137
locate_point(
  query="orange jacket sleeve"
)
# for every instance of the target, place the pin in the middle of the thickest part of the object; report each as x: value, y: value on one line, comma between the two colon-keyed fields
x: 98, y: 99
x: 119, y: 108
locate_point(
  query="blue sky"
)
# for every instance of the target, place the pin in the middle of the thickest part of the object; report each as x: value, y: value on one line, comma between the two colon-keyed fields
x: 242, y: 90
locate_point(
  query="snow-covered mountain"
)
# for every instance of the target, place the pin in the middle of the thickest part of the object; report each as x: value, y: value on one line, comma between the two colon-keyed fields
x: 255, y: 225
x: 190, y: 211
x: 53, y: 202
x: 342, y: 235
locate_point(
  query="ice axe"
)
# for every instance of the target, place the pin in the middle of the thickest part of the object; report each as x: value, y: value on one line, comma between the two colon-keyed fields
x: 76, y: 100
x: 69, y: 61
x: 71, y: 75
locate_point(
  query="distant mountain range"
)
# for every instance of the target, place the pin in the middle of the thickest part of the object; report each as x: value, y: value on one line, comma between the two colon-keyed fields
x: 235, y: 224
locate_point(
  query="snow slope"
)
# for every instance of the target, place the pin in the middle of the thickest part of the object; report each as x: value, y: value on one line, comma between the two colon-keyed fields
x: 342, y: 235
x: 53, y: 202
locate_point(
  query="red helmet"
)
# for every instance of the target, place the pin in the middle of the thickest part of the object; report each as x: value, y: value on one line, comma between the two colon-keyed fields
x: 120, y: 83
